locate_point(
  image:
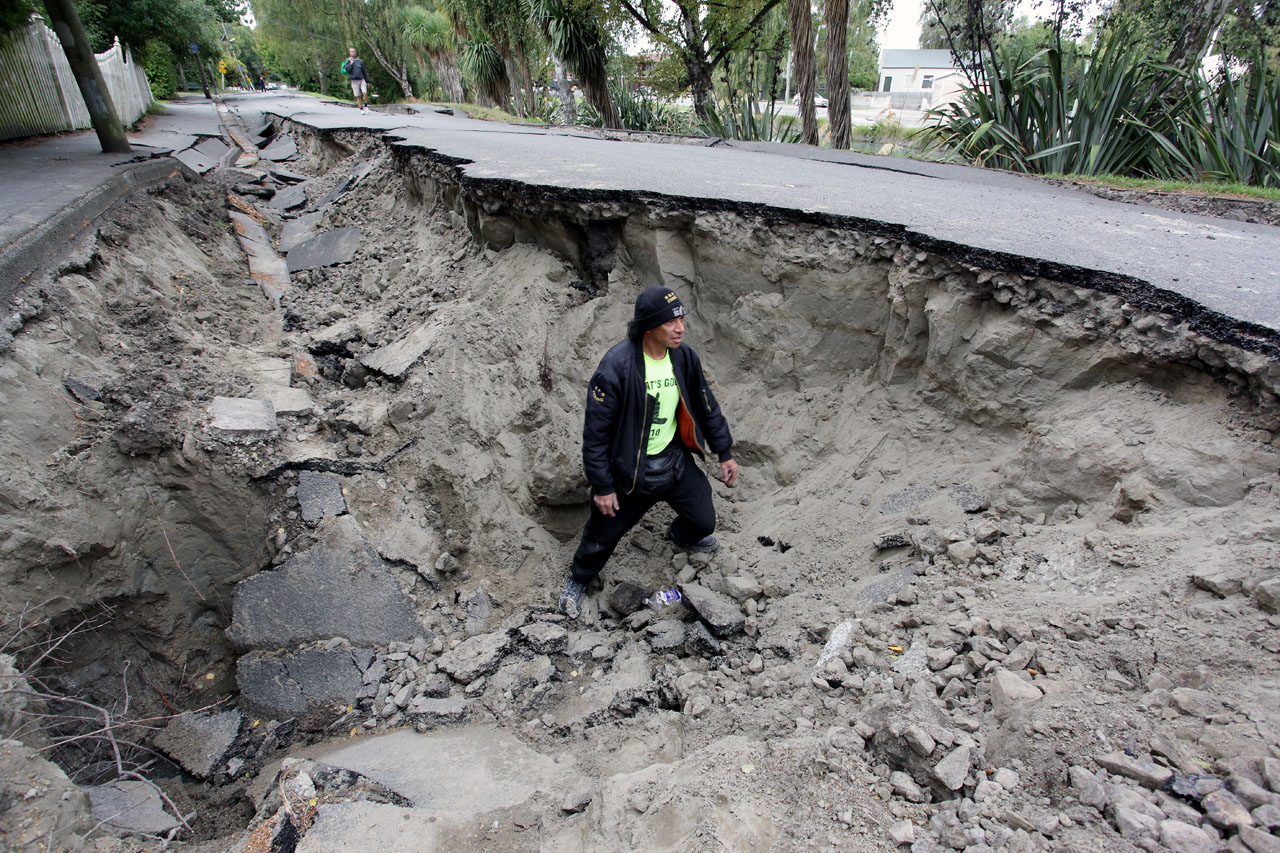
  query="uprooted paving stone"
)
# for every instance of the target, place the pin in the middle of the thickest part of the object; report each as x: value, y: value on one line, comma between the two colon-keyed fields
x: 281, y: 148
x: 285, y: 400
x: 325, y: 249
x: 299, y: 230
x: 239, y: 417
x: 315, y: 685
x: 266, y: 267
x: 131, y: 807
x: 721, y: 613
x: 201, y: 742
x: 395, y: 359
x: 289, y: 197
x: 320, y: 496
x: 338, y: 587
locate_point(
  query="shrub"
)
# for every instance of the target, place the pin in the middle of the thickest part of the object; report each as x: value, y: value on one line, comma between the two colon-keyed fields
x: 162, y: 73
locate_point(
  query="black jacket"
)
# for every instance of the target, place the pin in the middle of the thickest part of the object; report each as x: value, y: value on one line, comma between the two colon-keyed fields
x: 619, y: 411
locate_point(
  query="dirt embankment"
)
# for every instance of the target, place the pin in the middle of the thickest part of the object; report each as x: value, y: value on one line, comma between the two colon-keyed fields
x: 1003, y: 557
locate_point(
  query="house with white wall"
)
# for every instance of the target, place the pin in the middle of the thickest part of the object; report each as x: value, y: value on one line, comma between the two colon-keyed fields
x: 918, y: 79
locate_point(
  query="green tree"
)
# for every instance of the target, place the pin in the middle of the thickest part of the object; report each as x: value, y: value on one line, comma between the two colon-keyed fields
x: 970, y: 29
x: 578, y: 40
x: 302, y: 39
x: 702, y: 33
x: 431, y: 36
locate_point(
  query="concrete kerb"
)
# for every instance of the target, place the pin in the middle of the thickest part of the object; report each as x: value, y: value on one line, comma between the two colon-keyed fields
x: 41, y: 249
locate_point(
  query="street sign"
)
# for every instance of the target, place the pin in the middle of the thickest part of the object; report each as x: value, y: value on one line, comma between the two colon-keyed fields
x: 222, y: 67
x: 195, y: 48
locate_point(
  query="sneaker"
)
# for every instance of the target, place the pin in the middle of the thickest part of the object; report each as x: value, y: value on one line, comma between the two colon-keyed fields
x: 571, y: 598
x: 705, y: 545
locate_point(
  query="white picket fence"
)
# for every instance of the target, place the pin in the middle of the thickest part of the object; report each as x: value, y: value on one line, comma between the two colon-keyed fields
x: 38, y: 92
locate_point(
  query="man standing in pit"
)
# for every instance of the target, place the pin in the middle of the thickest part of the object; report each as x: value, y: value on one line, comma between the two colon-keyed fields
x: 648, y: 408
x: 354, y: 68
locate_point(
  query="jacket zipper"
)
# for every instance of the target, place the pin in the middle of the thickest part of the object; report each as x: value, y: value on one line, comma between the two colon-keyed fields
x: 644, y: 440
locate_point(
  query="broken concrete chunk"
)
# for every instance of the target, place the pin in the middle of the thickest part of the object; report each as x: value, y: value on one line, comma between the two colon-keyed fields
x: 1225, y: 811
x: 314, y: 685
x: 626, y: 598
x: 289, y: 197
x: 282, y: 148
x: 1267, y: 595
x: 82, y: 391
x: 722, y: 614
x: 1257, y: 841
x: 1146, y: 773
x: 474, y: 657
x: 545, y: 637
x: 430, y: 710
x: 336, y: 588
x: 968, y: 498
x: 700, y: 641
x: 130, y: 807
x: 666, y: 635
x: 395, y: 359
x: 320, y: 496
x: 298, y: 230
x: 200, y: 742
x: 285, y: 399
x: 952, y: 770
x: 240, y: 417
x: 1009, y: 692
x: 289, y: 177
x: 1221, y: 584
x: 325, y: 249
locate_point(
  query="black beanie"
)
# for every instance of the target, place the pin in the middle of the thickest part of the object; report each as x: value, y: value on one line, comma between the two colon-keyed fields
x: 655, y: 306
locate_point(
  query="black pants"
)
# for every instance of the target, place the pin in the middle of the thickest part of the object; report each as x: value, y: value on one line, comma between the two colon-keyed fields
x: 689, y: 496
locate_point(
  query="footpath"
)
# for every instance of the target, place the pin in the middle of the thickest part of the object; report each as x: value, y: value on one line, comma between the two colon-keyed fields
x: 57, y: 187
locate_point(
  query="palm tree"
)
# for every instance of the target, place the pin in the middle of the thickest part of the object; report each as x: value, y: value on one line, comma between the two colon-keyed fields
x: 838, y: 73
x: 801, y: 19
x: 429, y: 31
x: 577, y: 40
x: 483, y: 65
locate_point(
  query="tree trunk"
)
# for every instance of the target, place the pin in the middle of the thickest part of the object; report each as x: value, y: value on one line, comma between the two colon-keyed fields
x: 513, y: 84
x: 838, y: 73
x: 93, y: 88
x: 701, y: 84
x: 568, y: 106
x: 446, y: 65
x: 1202, y: 22
x: 806, y: 70
x: 400, y: 72
x: 204, y: 81
x: 324, y: 87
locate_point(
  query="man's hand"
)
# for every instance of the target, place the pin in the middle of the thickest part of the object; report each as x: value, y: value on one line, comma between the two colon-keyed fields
x: 607, y: 504
x: 729, y: 471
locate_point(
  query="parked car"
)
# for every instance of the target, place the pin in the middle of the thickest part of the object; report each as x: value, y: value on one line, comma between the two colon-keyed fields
x: 818, y: 100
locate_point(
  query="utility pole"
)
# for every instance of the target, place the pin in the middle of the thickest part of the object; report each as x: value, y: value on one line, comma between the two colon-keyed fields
x: 84, y: 65
x: 204, y: 82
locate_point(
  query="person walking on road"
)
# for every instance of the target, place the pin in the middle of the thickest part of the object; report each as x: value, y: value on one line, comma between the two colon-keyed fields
x: 649, y: 408
x: 354, y: 68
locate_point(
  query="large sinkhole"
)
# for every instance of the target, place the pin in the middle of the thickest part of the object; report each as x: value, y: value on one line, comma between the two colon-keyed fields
x: 258, y: 508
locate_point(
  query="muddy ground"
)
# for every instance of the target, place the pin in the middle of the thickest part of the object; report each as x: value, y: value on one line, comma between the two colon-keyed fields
x: 1002, y: 568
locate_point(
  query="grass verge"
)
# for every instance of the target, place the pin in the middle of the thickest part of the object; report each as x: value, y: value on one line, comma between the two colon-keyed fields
x: 1205, y: 188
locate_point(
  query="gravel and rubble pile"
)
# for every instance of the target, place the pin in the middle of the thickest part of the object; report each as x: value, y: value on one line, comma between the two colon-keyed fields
x: 1002, y: 572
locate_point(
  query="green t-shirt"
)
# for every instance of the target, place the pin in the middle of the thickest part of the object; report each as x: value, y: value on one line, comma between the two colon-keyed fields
x: 660, y: 382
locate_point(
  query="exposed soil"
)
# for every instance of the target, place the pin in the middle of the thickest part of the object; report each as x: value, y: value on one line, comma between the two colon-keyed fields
x: 1238, y: 208
x: 1031, y: 525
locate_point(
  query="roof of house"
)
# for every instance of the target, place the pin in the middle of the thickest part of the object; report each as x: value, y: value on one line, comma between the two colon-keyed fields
x: 914, y: 58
